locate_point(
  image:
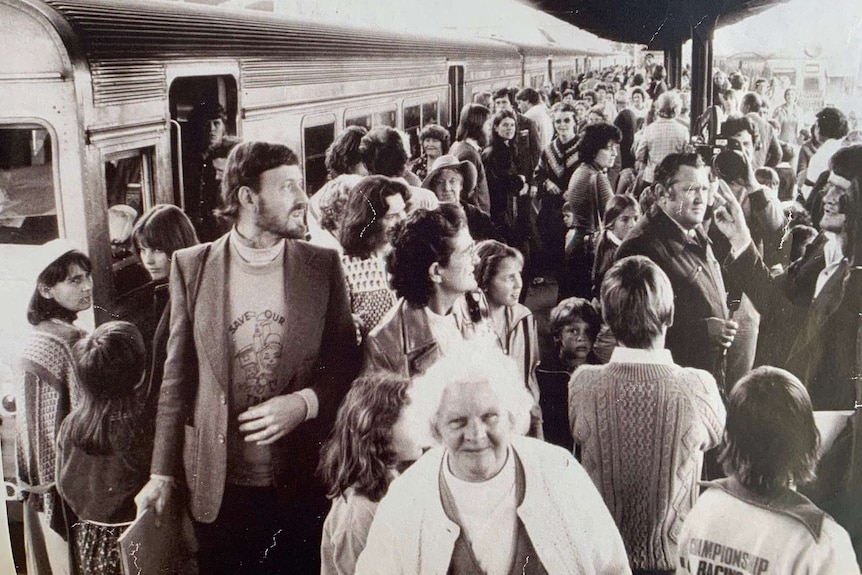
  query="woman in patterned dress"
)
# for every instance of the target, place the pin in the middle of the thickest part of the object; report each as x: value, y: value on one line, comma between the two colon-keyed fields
x: 47, y: 392
x: 374, y: 206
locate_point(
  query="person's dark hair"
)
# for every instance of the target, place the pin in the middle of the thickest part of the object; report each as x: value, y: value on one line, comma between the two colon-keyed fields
x: 770, y: 438
x: 637, y: 80
x: 563, y: 107
x: 787, y: 152
x: 504, y: 93
x: 637, y: 301
x: 832, y: 123
x: 571, y: 309
x: 847, y: 162
x: 343, y: 154
x: 436, y: 132
x: 658, y: 73
x: 568, y: 93
x: 596, y: 137
x: 383, y: 152
x: 362, y: 225
x: 421, y: 240
x: 491, y: 255
x: 110, y: 365
x: 600, y: 86
x: 751, y: 102
x: 736, y: 124
x: 472, y: 124
x: 528, y: 95
x: 40, y: 308
x: 669, y: 167
x: 591, y: 96
x: 639, y: 91
x: 617, y: 205
x: 498, y: 119
x: 737, y: 81
x: 359, y: 451
x: 245, y: 163
x: 165, y: 227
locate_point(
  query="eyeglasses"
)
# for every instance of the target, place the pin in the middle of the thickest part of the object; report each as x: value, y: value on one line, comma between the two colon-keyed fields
x: 563, y: 121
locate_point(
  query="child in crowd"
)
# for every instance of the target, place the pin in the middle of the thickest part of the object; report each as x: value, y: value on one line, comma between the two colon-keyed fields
x: 566, y: 285
x: 755, y: 515
x: 786, y: 173
x: 104, y: 446
x: 574, y: 326
x: 643, y: 422
x: 369, y: 447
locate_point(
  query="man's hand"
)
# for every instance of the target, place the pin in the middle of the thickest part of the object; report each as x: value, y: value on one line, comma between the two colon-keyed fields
x: 154, y: 495
x: 729, y: 218
x: 721, y: 331
x: 273, y: 419
x: 552, y: 188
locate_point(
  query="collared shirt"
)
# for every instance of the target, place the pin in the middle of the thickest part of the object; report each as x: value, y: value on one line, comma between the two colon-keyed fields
x: 662, y: 137
x: 445, y: 330
x: 833, y: 256
x: 635, y: 355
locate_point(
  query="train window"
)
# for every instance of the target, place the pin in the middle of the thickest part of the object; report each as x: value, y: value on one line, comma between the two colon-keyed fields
x: 317, y: 136
x: 430, y: 114
x: 364, y: 121
x: 129, y: 190
x: 371, y: 117
x: 412, y: 117
x: 28, y: 210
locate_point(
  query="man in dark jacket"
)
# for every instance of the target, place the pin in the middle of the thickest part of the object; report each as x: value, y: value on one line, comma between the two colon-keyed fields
x: 673, y: 237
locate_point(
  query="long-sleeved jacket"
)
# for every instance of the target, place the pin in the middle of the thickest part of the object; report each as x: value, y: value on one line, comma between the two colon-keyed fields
x: 563, y: 514
x: 320, y: 354
x: 698, y: 286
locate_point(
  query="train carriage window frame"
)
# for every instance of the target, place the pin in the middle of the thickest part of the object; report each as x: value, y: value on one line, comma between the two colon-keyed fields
x: 23, y: 222
x: 370, y: 117
x: 314, y: 160
x: 132, y: 169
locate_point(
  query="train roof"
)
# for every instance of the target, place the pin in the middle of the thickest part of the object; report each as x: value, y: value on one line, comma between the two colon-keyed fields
x: 122, y: 29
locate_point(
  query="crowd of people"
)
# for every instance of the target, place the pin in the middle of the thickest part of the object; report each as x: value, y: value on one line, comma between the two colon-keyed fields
x: 351, y: 382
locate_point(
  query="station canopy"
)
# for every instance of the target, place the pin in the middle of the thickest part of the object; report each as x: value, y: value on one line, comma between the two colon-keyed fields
x: 659, y: 24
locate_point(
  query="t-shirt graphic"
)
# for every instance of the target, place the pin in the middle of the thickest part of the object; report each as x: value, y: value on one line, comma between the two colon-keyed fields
x: 258, y: 338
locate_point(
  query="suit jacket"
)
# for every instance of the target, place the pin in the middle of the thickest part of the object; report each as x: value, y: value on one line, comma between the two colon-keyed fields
x: 698, y: 286
x: 192, y: 420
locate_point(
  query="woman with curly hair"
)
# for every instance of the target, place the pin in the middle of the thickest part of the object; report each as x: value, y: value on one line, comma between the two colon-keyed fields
x: 368, y: 448
x: 373, y: 209
x: 589, y: 192
x: 434, y: 142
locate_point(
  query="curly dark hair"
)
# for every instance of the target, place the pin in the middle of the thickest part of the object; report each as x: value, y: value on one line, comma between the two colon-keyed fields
x: 736, y: 124
x: 424, y: 238
x: 596, y: 137
x: 359, y: 451
x: 571, y: 309
x: 245, y: 163
x: 383, y: 152
x: 343, y: 153
x: 436, y: 132
x: 362, y: 226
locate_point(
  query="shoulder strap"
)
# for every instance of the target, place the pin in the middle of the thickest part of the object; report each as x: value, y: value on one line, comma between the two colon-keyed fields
x: 594, y: 184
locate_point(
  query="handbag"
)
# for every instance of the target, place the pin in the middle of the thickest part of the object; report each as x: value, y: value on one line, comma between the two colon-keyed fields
x: 591, y: 240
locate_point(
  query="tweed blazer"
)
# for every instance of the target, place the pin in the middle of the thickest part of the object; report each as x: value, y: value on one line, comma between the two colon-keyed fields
x: 319, y: 352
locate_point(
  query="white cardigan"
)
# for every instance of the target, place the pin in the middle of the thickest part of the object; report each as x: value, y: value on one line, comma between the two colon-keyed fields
x: 564, y: 515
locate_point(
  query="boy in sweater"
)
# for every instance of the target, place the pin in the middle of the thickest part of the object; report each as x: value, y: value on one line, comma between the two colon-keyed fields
x: 645, y: 452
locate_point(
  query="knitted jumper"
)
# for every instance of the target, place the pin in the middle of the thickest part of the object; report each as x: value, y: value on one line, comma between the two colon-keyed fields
x: 47, y: 392
x: 557, y: 163
x: 643, y: 428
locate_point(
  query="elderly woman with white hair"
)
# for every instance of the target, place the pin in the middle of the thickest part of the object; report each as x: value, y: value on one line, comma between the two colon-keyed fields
x: 488, y: 500
x: 666, y: 135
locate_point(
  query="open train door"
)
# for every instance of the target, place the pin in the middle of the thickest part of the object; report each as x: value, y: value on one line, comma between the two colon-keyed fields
x: 456, y: 96
x: 194, y: 103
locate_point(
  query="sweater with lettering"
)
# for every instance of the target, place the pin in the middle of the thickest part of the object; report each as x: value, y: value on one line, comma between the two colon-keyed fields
x: 643, y: 428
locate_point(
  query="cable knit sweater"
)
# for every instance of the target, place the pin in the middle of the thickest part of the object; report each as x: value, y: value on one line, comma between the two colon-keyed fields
x: 643, y: 428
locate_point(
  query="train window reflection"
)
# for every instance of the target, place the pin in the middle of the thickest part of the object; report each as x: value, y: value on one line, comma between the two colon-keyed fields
x: 129, y: 189
x: 28, y: 211
x: 430, y: 114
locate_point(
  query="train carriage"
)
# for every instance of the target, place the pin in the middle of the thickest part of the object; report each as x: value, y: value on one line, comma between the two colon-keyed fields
x: 101, y: 116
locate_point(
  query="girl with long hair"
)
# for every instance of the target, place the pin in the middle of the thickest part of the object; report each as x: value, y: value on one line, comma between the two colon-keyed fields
x: 504, y: 182
x: 103, y: 446
x: 369, y: 446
